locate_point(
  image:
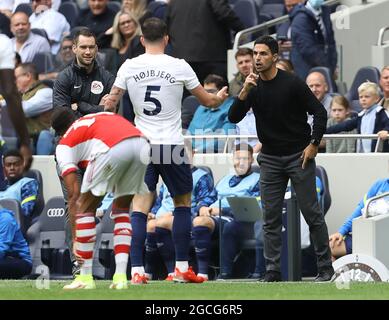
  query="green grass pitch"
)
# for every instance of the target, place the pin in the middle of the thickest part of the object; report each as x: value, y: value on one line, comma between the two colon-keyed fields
x: 160, y: 290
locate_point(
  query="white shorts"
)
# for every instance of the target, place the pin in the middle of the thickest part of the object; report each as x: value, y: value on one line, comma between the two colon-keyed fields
x: 121, y: 170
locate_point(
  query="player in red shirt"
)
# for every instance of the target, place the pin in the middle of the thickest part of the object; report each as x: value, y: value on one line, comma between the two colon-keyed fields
x: 114, y: 154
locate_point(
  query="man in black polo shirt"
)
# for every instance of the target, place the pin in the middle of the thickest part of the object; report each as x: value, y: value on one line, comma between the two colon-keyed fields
x: 280, y: 102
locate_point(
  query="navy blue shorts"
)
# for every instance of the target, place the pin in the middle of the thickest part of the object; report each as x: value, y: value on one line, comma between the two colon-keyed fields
x: 172, y: 164
x: 348, y: 241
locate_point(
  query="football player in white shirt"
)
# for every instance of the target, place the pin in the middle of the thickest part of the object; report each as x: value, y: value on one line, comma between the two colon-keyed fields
x: 155, y: 83
x: 12, y: 98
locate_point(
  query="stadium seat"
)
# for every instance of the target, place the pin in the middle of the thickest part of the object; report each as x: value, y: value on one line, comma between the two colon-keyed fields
x: 189, y: 107
x: 44, y: 62
x: 14, y: 206
x: 41, y: 32
x: 48, y: 82
x: 364, y: 74
x: 7, y: 128
x: 24, y: 7
x: 46, y: 239
x: 327, y: 75
x: 247, y: 12
x: 40, y: 201
x: 70, y: 10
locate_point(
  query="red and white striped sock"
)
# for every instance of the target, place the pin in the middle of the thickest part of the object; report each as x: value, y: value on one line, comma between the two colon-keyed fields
x: 121, y: 238
x: 85, y: 240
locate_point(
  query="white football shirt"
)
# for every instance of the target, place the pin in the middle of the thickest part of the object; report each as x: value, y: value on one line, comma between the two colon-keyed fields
x: 155, y: 85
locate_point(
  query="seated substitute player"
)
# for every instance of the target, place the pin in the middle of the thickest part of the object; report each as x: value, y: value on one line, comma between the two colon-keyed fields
x: 341, y: 241
x: 115, y: 161
x: 243, y: 182
x: 155, y: 83
x: 22, y: 189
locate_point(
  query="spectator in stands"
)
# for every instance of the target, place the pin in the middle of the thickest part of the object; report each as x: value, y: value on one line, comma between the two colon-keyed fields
x: 15, y: 257
x: 341, y: 241
x: 281, y: 101
x: 284, y: 35
x: 20, y: 188
x: 138, y: 8
x: 159, y: 229
x: 26, y: 43
x: 319, y: 86
x: 10, y: 95
x: 199, y: 32
x: 384, y: 83
x: 312, y: 37
x: 340, y: 112
x: 98, y: 17
x: 63, y: 58
x: 243, y: 182
x: 37, y: 103
x: 83, y: 84
x: 125, y: 39
x: 213, y: 121
x: 50, y: 20
x: 244, y: 64
x: 372, y: 119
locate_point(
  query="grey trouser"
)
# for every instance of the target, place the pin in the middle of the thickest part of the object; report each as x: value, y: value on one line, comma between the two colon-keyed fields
x: 275, y: 173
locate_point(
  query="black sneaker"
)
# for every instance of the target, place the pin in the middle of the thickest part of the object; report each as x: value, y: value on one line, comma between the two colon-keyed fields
x: 255, y: 275
x: 325, y: 274
x: 272, y: 276
x: 224, y: 276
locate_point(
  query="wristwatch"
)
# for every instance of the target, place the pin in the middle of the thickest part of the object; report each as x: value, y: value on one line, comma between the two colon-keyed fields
x: 315, y: 142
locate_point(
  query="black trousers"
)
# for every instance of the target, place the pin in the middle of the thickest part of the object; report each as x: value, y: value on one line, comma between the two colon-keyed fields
x: 14, y: 268
x: 275, y: 173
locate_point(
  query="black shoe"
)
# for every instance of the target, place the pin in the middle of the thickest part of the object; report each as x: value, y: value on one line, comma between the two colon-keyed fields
x: 325, y: 274
x: 255, y: 275
x: 224, y: 276
x: 272, y: 276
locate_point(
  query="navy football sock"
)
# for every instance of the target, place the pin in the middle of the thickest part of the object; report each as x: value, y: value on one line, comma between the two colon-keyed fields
x: 151, y: 252
x: 166, y: 247
x: 138, y: 223
x: 202, y: 238
x: 182, y: 225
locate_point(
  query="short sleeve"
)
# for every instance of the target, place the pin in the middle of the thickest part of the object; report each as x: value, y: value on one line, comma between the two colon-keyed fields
x: 191, y: 81
x: 122, y: 76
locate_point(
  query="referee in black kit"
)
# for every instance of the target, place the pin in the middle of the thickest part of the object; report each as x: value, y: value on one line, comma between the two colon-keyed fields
x: 280, y: 102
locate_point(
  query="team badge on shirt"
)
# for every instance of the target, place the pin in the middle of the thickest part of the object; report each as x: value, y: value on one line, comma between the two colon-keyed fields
x: 96, y: 87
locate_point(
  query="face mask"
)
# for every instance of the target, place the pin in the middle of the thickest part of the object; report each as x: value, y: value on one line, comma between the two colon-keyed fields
x: 316, y: 4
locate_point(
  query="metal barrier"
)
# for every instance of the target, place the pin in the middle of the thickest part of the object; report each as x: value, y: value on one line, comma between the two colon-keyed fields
x: 266, y: 25
x: 229, y: 139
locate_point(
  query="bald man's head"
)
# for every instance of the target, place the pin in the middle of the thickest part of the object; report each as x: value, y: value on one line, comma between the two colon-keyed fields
x: 20, y: 26
x: 318, y: 84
